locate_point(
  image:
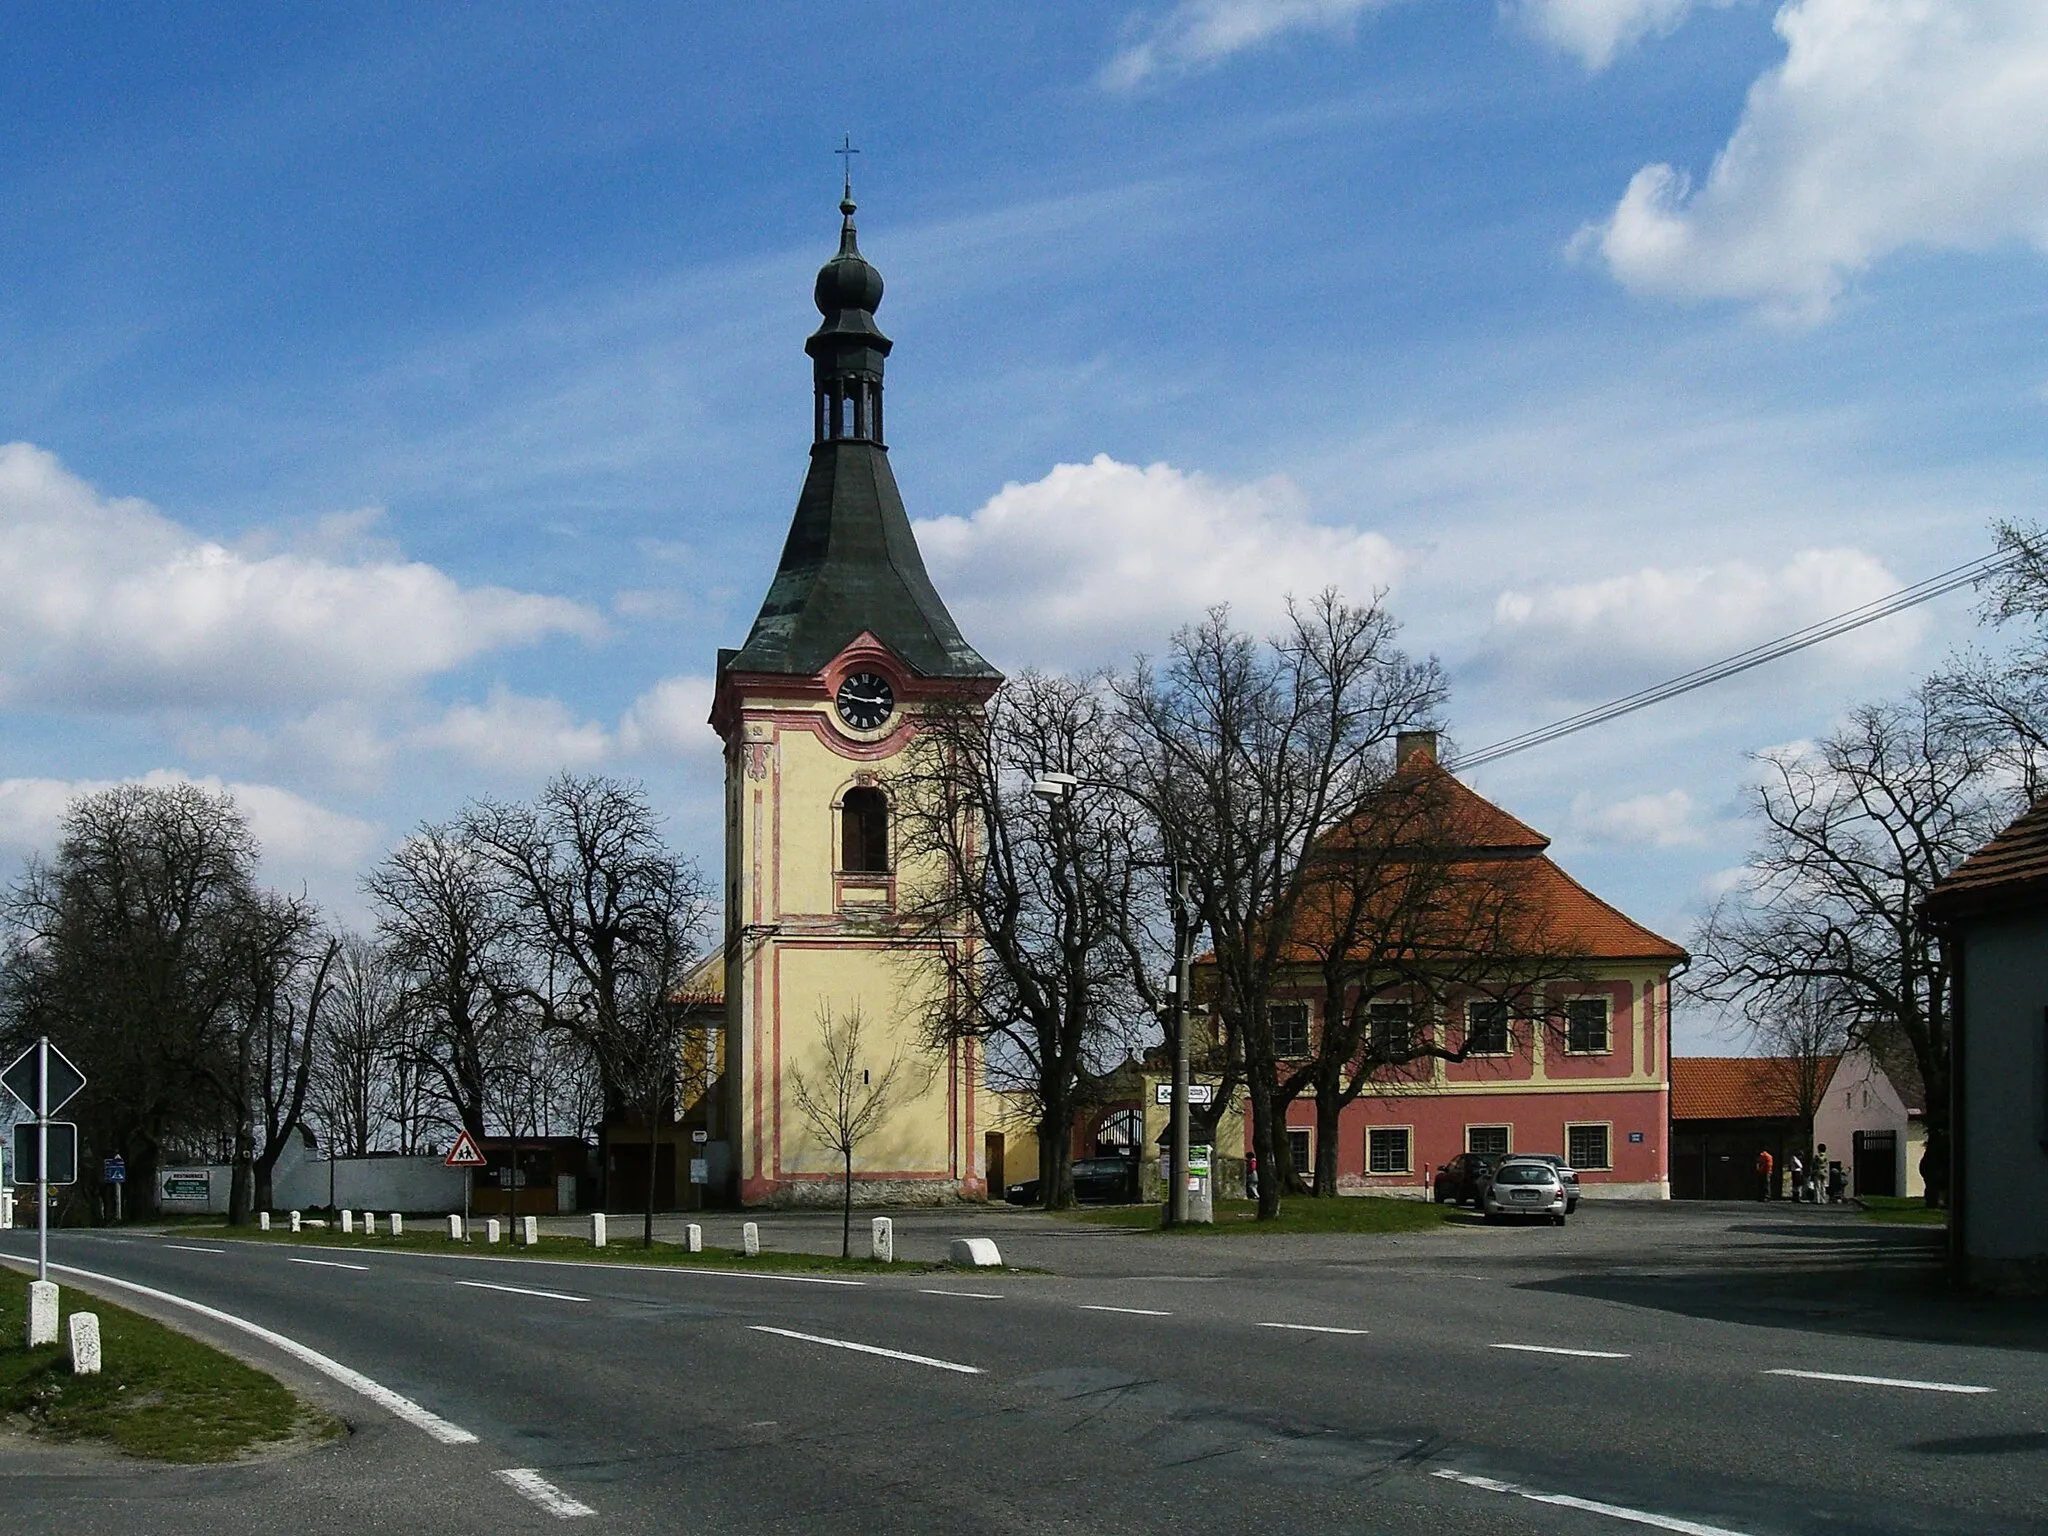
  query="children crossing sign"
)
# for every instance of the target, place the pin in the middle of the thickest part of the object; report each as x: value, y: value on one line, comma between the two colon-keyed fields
x: 464, y: 1153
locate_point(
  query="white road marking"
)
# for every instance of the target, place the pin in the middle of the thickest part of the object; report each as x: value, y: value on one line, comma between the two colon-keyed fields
x: 544, y: 1493
x: 520, y: 1290
x: 328, y: 1264
x: 1133, y: 1311
x: 1311, y: 1328
x: 1883, y: 1381
x: 973, y: 1295
x: 188, y: 1248
x: 1552, y: 1349
x: 1591, y: 1506
x: 870, y: 1349
x: 391, y: 1402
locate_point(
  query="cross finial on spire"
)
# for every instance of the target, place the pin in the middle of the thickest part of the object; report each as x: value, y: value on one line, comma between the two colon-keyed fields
x: 846, y: 152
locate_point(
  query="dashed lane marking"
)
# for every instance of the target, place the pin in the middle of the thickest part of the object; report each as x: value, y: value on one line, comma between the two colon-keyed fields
x: 527, y: 1481
x: 328, y: 1264
x: 971, y: 1295
x: 870, y: 1349
x: 1311, y: 1328
x: 1590, y: 1506
x: 1884, y: 1381
x: 520, y: 1290
x: 1552, y: 1349
x: 391, y: 1402
x: 1133, y: 1311
x: 188, y: 1248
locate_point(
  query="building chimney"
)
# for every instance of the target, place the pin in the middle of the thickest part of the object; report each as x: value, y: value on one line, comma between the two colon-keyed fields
x: 1408, y: 743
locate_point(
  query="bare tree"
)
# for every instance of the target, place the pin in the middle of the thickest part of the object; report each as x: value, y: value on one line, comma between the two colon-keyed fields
x: 1411, y: 903
x: 443, y: 919
x: 1248, y: 755
x: 1801, y: 1032
x: 843, y: 1098
x: 1854, y: 833
x: 290, y: 981
x: 1031, y: 906
x: 353, y: 1055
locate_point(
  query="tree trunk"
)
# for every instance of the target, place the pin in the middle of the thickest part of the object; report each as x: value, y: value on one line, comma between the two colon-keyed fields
x: 1271, y: 1175
x: 238, y: 1181
x: 846, y: 1221
x: 1056, y: 1156
x: 1329, y: 1136
x: 647, y: 1226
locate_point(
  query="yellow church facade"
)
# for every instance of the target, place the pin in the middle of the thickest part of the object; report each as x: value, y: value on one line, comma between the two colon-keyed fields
x: 850, y: 646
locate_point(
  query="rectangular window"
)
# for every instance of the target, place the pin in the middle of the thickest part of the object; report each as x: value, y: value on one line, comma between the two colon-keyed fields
x: 1386, y: 1149
x: 1486, y: 1029
x: 1290, y: 1030
x: 1300, y: 1152
x: 1585, y: 1146
x: 1585, y: 1024
x: 1390, y: 1029
x: 1487, y: 1138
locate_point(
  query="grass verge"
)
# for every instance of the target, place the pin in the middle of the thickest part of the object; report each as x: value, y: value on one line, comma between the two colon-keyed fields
x: 1350, y: 1213
x: 1907, y: 1210
x: 159, y: 1394
x: 576, y: 1249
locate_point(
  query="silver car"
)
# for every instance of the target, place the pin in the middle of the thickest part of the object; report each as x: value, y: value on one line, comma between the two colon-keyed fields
x: 1524, y: 1187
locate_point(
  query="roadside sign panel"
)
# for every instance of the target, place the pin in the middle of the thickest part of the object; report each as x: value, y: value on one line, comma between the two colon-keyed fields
x: 1198, y: 1093
x: 63, y: 1153
x: 186, y: 1186
x: 464, y: 1153
x: 114, y: 1170
x: 65, y: 1080
x: 700, y: 1170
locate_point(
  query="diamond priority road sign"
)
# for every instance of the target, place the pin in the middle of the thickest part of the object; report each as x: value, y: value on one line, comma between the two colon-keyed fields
x: 65, y: 1080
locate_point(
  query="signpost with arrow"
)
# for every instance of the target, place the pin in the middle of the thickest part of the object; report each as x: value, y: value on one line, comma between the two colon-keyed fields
x: 43, y: 1079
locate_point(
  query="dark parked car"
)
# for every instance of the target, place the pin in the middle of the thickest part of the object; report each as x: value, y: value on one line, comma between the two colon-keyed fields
x: 1462, y: 1180
x: 1097, y: 1181
x: 1565, y: 1171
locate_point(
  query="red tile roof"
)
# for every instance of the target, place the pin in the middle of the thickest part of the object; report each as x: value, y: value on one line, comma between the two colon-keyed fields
x: 1737, y: 1087
x: 2009, y: 871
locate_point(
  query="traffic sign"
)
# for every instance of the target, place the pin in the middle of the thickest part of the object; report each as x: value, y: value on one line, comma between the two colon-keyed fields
x: 65, y: 1080
x: 63, y: 1153
x: 464, y: 1153
x: 1198, y: 1093
x: 114, y: 1170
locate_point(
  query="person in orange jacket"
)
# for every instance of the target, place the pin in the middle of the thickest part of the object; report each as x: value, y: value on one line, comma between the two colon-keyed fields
x: 1763, y: 1175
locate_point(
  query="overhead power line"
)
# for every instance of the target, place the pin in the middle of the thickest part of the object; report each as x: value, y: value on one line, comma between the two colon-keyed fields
x: 1755, y: 656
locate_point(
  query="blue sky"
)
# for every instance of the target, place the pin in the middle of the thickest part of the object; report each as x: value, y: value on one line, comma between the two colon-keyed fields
x: 409, y: 401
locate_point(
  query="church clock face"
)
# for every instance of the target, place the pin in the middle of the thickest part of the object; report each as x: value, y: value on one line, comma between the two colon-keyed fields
x: 865, y: 700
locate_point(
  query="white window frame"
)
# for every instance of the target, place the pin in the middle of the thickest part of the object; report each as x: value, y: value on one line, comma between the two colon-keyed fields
x: 1492, y: 1125
x: 1507, y: 1019
x: 1372, y: 1020
x: 1607, y: 1005
x: 1308, y: 1030
x: 1408, y: 1158
x: 1305, y: 1166
x: 1605, y: 1127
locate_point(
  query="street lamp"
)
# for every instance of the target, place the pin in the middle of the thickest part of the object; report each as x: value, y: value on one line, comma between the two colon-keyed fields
x: 1056, y: 789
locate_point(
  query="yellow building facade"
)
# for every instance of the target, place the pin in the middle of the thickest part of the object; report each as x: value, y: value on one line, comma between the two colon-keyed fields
x: 851, y: 646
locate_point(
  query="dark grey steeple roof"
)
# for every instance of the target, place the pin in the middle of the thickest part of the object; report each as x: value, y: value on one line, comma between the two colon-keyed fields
x: 851, y: 563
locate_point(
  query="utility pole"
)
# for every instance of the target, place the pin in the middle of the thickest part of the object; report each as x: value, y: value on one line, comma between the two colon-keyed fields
x: 1177, y: 1157
x: 43, y: 1157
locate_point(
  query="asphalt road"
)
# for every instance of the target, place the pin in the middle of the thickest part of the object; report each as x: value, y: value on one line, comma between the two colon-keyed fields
x: 1662, y: 1367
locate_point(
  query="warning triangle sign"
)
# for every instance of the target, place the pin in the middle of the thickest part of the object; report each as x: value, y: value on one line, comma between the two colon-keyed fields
x: 464, y: 1153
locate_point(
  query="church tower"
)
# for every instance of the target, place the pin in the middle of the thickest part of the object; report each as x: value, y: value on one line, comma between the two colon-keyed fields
x: 851, y: 644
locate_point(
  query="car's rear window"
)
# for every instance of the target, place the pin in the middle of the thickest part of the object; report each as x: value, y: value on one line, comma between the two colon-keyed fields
x: 1523, y: 1173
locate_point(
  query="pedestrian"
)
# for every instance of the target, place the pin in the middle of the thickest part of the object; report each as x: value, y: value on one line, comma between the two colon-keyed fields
x: 1763, y: 1175
x: 1796, y: 1168
x: 1820, y: 1173
x: 1838, y: 1181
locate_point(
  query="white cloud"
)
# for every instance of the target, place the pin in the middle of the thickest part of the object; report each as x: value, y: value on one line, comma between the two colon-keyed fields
x: 1633, y: 630
x: 109, y: 603
x: 1099, y: 560
x: 1199, y: 33
x: 1891, y: 124
x: 1598, y: 31
x: 294, y: 832
x: 1645, y: 821
x: 516, y: 733
x: 672, y: 718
